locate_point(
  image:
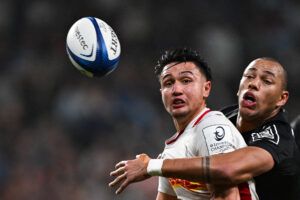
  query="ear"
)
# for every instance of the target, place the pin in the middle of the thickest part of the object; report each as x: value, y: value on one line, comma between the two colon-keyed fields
x: 283, y: 98
x: 206, y: 89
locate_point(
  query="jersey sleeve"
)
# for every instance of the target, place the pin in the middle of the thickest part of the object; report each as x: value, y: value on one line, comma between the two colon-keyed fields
x: 275, y: 138
x: 218, y: 135
x: 164, y: 186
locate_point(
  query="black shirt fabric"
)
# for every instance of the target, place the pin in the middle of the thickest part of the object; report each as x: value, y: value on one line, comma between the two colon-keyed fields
x: 276, y: 137
x: 296, y: 126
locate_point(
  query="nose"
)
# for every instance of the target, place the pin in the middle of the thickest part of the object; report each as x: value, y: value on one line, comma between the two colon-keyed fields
x: 254, y: 84
x: 177, y: 89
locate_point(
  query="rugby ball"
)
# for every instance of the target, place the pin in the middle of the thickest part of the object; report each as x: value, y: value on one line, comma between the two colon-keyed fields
x: 93, y: 47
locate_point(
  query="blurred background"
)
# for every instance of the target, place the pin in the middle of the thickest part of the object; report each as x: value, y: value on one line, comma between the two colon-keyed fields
x: 61, y: 133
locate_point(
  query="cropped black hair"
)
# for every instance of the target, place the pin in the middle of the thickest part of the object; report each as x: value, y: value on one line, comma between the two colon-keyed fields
x: 183, y: 55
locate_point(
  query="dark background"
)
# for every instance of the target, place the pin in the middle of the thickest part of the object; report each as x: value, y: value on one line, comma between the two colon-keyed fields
x: 61, y: 133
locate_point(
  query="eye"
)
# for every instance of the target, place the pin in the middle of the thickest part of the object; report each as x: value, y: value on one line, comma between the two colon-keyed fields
x: 167, y: 83
x: 267, y: 81
x: 186, y: 80
x: 249, y: 76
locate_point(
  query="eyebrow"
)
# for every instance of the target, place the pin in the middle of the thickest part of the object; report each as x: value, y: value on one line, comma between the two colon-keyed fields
x: 265, y: 71
x: 165, y: 76
x: 186, y: 72
x: 181, y: 73
x: 270, y: 73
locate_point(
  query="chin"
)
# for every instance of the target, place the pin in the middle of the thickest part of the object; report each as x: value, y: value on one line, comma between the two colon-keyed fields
x: 179, y: 114
x: 247, y: 114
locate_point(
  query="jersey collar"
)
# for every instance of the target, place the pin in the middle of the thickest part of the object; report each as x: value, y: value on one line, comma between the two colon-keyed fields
x: 193, y: 123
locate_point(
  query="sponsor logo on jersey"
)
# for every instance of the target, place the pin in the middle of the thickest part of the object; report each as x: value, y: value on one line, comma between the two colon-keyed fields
x: 219, y: 139
x: 219, y: 133
x: 269, y: 133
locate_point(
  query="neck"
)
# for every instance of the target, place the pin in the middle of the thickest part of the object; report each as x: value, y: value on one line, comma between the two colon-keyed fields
x: 244, y: 125
x: 182, y: 122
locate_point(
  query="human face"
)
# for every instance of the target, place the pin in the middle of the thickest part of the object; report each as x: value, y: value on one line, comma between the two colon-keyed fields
x: 184, y: 90
x: 261, y: 92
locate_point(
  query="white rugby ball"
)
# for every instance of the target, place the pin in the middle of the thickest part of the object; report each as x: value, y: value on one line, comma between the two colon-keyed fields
x: 93, y: 47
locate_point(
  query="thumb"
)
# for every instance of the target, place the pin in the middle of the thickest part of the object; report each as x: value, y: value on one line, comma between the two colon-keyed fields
x: 141, y: 155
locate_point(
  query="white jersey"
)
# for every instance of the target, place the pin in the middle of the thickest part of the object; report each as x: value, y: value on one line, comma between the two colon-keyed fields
x: 207, y: 134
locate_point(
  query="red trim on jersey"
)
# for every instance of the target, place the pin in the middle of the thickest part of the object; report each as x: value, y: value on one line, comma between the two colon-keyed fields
x: 175, y: 137
x: 244, y: 191
x: 201, y: 116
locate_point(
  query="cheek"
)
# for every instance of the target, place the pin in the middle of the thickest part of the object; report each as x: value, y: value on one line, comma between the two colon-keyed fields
x: 194, y: 94
x: 270, y: 96
x: 165, y: 97
x: 241, y: 86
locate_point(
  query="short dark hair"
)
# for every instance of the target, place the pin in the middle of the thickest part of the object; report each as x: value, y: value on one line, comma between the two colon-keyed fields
x: 183, y: 55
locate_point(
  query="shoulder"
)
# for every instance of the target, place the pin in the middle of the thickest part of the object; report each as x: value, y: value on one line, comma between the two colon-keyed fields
x: 215, y: 115
x: 230, y: 110
x: 296, y: 127
x: 275, y: 136
x: 275, y: 130
x: 215, y: 120
x: 219, y: 134
x: 279, y: 125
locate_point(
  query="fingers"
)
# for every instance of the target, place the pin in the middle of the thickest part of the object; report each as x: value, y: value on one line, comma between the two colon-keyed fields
x: 117, y: 180
x: 121, y: 164
x: 121, y: 176
x: 120, y: 168
x: 122, y: 187
x: 127, y: 172
x: 117, y: 172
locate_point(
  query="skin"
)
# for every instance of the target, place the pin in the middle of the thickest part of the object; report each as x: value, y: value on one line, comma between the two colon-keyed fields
x: 261, y: 94
x: 263, y: 80
x: 183, y: 90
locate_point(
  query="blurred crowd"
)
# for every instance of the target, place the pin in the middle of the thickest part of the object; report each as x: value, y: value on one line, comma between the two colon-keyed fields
x: 61, y: 133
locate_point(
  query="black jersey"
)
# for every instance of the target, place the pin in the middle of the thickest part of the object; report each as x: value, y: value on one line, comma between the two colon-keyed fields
x: 274, y: 136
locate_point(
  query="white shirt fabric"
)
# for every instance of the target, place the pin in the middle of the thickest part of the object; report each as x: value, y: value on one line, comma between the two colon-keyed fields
x: 213, y: 134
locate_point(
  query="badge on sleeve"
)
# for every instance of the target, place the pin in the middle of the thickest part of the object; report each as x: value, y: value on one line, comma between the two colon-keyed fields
x: 268, y: 133
x: 219, y: 139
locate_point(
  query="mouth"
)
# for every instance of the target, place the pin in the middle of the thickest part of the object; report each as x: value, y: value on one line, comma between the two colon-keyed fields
x: 249, y: 100
x: 178, y: 103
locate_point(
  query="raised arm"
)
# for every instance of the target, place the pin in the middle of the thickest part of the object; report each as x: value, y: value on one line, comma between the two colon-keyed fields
x: 226, y: 169
x: 223, y: 169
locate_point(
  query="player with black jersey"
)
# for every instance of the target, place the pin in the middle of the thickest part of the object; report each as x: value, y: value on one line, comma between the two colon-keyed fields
x: 269, y: 156
x: 275, y: 136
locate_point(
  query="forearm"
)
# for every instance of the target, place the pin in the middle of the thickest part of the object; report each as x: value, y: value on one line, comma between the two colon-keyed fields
x: 223, y: 169
x: 201, y: 169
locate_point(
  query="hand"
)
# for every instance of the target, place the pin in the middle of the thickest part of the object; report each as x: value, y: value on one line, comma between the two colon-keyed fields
x: 130, y: 171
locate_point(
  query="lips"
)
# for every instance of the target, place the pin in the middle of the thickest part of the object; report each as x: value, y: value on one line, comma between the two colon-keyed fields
x: 249, y: 100
x: 178, y: 103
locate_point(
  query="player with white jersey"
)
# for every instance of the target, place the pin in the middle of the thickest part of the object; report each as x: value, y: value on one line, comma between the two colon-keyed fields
x: 207, y: 134
x: 185, y: 81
